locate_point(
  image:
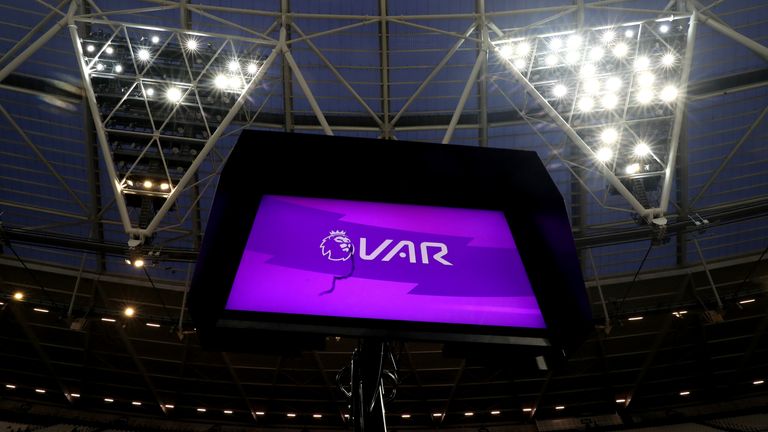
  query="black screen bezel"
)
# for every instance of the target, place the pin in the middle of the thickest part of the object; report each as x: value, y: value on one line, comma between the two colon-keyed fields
x: 512, y: 181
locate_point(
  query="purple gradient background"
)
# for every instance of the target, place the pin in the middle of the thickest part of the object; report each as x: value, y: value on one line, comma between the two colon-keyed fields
x: 282, y: 269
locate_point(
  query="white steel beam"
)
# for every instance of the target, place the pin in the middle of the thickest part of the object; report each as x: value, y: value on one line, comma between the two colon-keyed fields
x: 669, y: 171
x: 433, y: 74
x: 100, y: 133
x: 384, y: 73
x: 725, y: 30
x: 42, y: 40
x: 32, y: 32
x: 340, y: 77
x: 303, y: 84
x: 472, y: 80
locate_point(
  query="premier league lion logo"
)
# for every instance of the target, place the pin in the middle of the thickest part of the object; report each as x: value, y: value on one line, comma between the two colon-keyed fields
x: 337, y: 246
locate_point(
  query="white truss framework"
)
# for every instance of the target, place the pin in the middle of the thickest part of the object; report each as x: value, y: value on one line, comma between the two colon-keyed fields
x: 481, y: 25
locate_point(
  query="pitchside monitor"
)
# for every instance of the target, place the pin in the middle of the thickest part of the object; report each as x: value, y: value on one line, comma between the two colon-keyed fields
x: 327, y: 236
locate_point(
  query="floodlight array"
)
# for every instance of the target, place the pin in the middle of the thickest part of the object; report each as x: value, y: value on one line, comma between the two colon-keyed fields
x: 160, y: 97
x: 617, y: 87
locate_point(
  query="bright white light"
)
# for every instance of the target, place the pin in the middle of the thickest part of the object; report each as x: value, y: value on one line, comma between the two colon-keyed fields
x: 758, y: 382
x: 591, y: 86
x: 555, y: 43
x: 233, y: 66
x: 645, y: 79
x: 519, y: 63
x: 108, y: 400
x: 40, y: 391
x: 136, y: 403
x: 192, y: 44
x: 143, y: 54
x: 118, y: 68
x: 147, y: 184
x: 169, y: 406
x: 635, y: 318
x: 632, y: 168
x: 227, y: 411
x: 437, y: 414
x: 129, y: 311
x: 629, y: 33
x: 41, y: 310
x: 164, y: 186
x: 155, y: 39
x: 495, y: 412
x: 620, y: 400
x: 620, y: 49
x: 109, y: 50
x: 153, y: 325
x: 613, y: 84
x: 111, y: 320
x: 252, y: 68
x: 507, y: 51
x: 560, y: 407
x: 586, y: 104
x: 221, y: 81
x: 664, y: 28
x: 588, y: 70
x: 469, y: 414
x: 608, y: 36
x: 406, y: 416
x: 596, y: 53
x: 523, y: 49
x: 684, y: 393
x: 604, y: 154
x: 644, y: 96
x: 609, y: 136
x: 551, y: 60
x: 313, y: 415
x: 668, y: 59
x: 99, y: 67
x: 642, y: 63
x: 642, y: 149
x: 559, y: 91
x: 574, y: 41
x: 202, y: 410
x: 173, y: 94
x: 150, y: 91
x: 234, y: 82
x: 75, y: 395
x: 90, y: 48
x: 668, y: 93
x: 291, y: 415
x: 18, y: 296
x: 10, y: 386
x: 572, y: 57
x: 138, y: 262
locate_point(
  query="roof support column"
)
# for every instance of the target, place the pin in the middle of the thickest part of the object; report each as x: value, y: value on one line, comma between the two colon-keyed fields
x: 463, y: 99
x: 482, y: 83
x: 287, y: 77
x: 384, y: 62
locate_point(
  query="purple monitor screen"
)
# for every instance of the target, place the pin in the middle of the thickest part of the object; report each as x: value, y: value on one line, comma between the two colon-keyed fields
x: 356, y: 259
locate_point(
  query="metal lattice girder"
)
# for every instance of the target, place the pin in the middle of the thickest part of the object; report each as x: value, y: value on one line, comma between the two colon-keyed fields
x: 160, y: 99
x: 618, y: 93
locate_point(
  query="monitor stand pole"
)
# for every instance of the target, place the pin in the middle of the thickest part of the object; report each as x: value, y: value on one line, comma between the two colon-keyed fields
x: 367, y: 373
